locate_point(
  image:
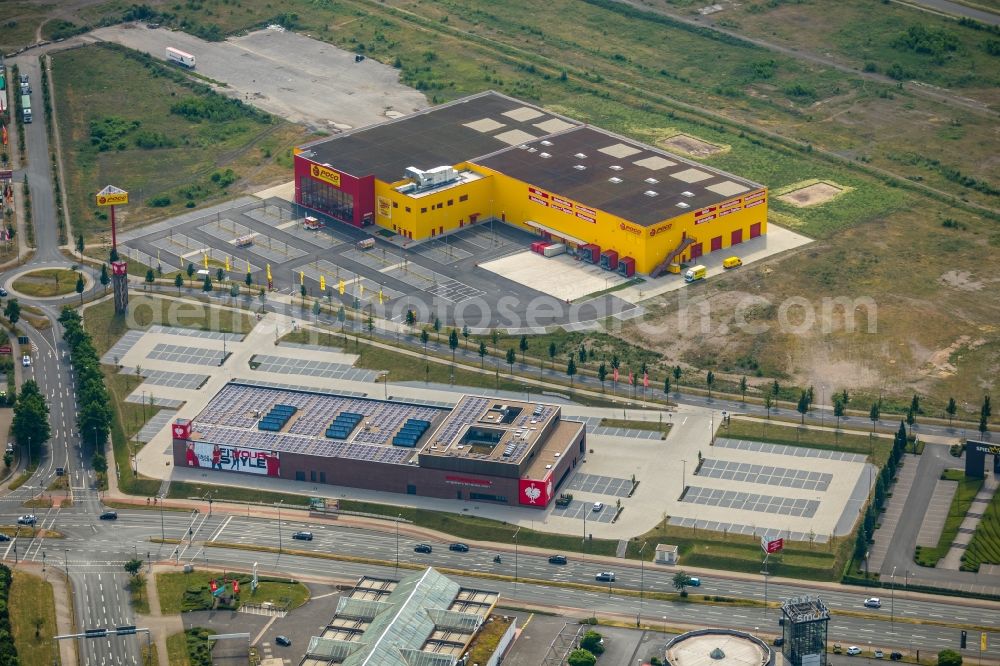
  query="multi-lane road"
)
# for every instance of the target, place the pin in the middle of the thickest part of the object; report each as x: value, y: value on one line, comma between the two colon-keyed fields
x: 96, y: 550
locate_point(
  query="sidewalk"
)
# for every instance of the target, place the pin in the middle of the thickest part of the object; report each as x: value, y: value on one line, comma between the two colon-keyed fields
x: 63, y: 597
x: 953, y: 560
x: 161, y: 626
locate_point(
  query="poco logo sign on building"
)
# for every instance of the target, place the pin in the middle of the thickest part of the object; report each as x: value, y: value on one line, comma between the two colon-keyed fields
x: 326, y: 175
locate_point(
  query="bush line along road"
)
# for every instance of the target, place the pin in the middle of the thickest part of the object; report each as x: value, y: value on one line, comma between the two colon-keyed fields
x: 92, y: 552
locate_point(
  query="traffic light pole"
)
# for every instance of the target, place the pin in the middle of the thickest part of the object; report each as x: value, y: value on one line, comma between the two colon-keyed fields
x: 124, y: 630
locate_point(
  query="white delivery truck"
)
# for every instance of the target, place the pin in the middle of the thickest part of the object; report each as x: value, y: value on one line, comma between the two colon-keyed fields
x: 180, y: 57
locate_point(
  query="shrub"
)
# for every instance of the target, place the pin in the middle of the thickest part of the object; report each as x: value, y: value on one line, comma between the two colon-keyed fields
x: 159, y: 201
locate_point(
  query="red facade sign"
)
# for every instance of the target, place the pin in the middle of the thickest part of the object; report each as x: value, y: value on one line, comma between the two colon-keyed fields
x: 181, y: 430
x: 771, y: 546
x: 119, y: 268
x: 534, y: 493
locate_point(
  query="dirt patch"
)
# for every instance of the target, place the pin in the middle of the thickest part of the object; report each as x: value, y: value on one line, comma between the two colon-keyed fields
x: 960, y: 280
x: 811, y: 195
x: 691, y: 146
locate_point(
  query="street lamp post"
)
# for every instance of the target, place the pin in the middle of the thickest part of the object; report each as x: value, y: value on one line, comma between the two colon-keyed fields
x: 515, y: 559
x: 585, y: 536
x: 385, y: 381
x: 397, y: 541
x: 279, y: 526
x: 642, y: 579
x: 683, y: 475
x: 163, y: 536
x: 822, y: 394
x: 892, y: 601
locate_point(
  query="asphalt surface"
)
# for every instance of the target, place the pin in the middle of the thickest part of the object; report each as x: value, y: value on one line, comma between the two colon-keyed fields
x: 95, y: 550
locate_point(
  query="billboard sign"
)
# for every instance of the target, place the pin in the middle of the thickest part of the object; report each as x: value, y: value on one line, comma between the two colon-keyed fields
x: 771, y: 546
x: 534, y: 493
x: 325, y: 174
x: 384, y: 207
x: 233, y: 459
x: 112, y: 196
x: 182, y: 430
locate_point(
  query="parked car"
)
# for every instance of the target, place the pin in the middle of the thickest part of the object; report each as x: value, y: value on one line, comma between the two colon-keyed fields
x: 598, y: 506
x: 853, y: 650
x: 283, y: 640
x: 694, y: 581
x: 879, y: 654
x: 422, y: 548
x: 302, y: 536
x: 605, y: 576
x: 3, y: 292
x: 4, y: 537
x: 26, y: 361
x: 873, y: 602
x: 837, y: 649
x: 459, y: 547
x: 557, y: 559
x: 60, y: 471
x: 779, y: 641
x: 896, y: 656
x: 109, y: 515
x: 27, y: 519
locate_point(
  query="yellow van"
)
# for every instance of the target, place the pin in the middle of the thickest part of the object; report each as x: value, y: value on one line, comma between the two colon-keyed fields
x: 732, y: 262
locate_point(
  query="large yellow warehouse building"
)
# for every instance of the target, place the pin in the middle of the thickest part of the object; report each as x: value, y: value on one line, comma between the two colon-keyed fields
x: 614, y: 201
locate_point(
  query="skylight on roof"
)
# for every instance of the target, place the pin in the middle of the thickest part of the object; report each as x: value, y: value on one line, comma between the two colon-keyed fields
x: 615, y: 167
x: 579, y: 167
x: 688, y: 194
x: 652, y: 181
x: 545, y: 155
x: 545, y: 142
x: 651, y: 193
x: 580, y: 156
x: 614, y: 179
x: 683, y: 204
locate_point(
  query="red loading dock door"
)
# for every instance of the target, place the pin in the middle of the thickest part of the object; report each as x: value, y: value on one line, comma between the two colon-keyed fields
x: 737, y: 237
x: 695, y: 251
x: 755, y: 230
x: 716, y: 243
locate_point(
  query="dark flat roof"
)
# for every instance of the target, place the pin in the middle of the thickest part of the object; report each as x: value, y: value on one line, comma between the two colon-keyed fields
x: 537, y: 147
x: 553, y: 163
x: 435, y: 137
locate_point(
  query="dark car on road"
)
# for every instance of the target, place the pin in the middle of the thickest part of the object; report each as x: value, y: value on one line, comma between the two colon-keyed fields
x: 28, y: 519
x: 459, y: 547
x: 896, y: 656
x: 422, y: 548
x: 4, y: 537
x: 606, y: 576
x: 109, y: 515
x: 283, y: 640
x: 557, y: 559
x: 302, y: 536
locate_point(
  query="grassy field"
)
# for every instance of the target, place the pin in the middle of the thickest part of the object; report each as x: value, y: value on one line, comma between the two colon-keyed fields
x: 177, y: 649
x: 876, y: 447
x: 33, y: 619
x: 181, y: 592
x: 215, y: 146
x: 190, y: 647
x: 20, y: 23
x: 47, y: 282
x: 985, y: 545
x: 960, y: 503
x: 638, y: 425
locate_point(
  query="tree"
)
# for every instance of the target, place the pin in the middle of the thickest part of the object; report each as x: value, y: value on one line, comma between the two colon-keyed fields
x: 465, y: 334
x: 987, y: 410
x: 951, y: 410
x: 341, y: 317
x: 743, y: 388
x: 79, y: 246
x: 581, y: 657
x: 38, y: 622
x: 873, y: 414
x: 424, y: 337
x: 949, y: 658
x: 582, y: 354
x: 302, y: 293
x: 220, y: 275
x: 113, y: 256
x: 105, y: 278
x: 437, y: 329
x: 12, y: 311
x: 666, y: 386
x: 602, y: 374
x: 453, y: 343
x: 838, y: 407
x: 178, y: 282
x: 983, y: 424
x: 150, y: 276
x: 206, y: 286
x: 482, y: 353
x: 915, y: 404
x: 190, y: 271
x: 681, y: 580
x: 248, y: 280
x: 775, y: 388
x: 8, y: 458
x: 315, y: 307
x: 511, y: 358
x: 31, y: 417
x: 768, y: 403
x: 495, y: 338
x: 411, y: 318
x: 710, y: 381
x: 803, y: 406
x: 552, y: 352
x: 571, y: 370
x: 677, y: 377
x: 591, y: 641
x: 523, y: 346
x: 80, y: 284
x: 133, y: 566
x: 911, y: 417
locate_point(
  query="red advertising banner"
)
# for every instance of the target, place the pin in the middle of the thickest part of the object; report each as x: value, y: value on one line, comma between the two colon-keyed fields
x: 704, y: 211
x: 538, y: 201
x: 771, y: 546
x: 468, y: 481
x: 534, y: 493
x: 753, y: 203
x: 537, y: 192
x: 182, y: 430
x: 756, y: 195
x: 728, y: 212
x: 561, y: 202
x: 731, y: 204
x: 568, y: 211
x: 586, y: 218
x: 586, y: 211
x: 232, y: 459
x: 705, y: 219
